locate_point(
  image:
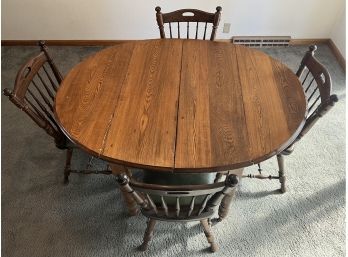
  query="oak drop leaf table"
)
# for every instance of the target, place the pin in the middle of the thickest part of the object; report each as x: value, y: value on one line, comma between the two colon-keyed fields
x: 181, y: 105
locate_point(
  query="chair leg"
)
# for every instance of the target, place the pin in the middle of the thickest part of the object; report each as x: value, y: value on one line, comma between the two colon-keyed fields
x: 148, y: 234
x: 280, y: 159
x: 67, y: 165
x: 209, y: 234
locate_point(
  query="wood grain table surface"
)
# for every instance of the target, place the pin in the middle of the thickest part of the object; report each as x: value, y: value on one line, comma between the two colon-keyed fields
x: 181, y: 105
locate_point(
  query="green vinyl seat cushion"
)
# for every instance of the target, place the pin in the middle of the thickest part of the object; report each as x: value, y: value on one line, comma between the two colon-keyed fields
x: 165, y: 178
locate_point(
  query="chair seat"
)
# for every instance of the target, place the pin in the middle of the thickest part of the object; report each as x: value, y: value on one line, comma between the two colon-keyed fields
x: 162, y: 178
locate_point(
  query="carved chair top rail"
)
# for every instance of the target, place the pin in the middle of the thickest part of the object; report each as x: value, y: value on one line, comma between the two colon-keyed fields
x: 188, y: 15
x: 26, y: 74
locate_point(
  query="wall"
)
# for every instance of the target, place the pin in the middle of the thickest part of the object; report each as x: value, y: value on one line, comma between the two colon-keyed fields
x: 124, y: 19
x: 338, y: 34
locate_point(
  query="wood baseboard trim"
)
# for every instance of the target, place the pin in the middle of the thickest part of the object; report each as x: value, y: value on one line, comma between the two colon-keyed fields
x: 63, y: 42
x: 341, y: 60
x: 309, y: 41
x: 224, y: 40
x: 74, y: 42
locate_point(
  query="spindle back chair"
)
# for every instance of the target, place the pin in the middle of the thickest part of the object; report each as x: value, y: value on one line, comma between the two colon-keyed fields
x: 170, y: 203
x: 317, y: 86
x: 187, y: 16
x: 34, y: 92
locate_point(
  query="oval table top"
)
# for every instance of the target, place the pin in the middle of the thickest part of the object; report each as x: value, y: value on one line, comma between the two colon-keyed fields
x: 181, y: 105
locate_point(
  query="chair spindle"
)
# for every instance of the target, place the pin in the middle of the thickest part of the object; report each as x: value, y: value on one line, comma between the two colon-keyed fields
x: 188, y: 30
x: 206, y: 198
x: 49, y: 92
x: 152, y: 204
x: 179, y: 30
x: 170, y: 30
x: 164, y: 206
x: 42, y: 95
x: 37, y: 111
x: 205, y: 30
x: 192, y: 205
x: 311, y: 107
x: 50, y: 78
x: 304, y: 80
x: 48, y: 114
x: 309, y: 85
x: 179, y: 16
x: 310, y: 97
x: 177, y: 207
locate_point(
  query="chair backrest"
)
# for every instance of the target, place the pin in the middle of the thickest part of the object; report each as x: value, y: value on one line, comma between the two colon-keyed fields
x: 187, y: 16
x: 181, y: 202
x: 34, y: 91
x: 317, y: 85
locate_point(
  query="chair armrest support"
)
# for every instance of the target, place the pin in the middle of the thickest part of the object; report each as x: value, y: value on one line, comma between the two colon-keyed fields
x: 123, y: 181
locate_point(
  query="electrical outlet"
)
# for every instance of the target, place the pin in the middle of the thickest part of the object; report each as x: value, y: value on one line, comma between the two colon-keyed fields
x: 227, y: 27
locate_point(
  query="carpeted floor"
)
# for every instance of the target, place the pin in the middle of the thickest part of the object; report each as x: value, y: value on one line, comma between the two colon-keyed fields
x: 41, y: 217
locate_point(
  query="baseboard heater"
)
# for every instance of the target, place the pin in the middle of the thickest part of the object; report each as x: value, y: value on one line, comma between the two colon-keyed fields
x: 262, y: 41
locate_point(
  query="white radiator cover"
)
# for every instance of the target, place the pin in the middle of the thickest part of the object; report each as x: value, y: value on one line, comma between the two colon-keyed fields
x: 262, y: 41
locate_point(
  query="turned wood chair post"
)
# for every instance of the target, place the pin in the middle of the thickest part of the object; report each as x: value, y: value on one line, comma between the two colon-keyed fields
x: 216, y: 22
x: 148, y: 235
x: 160, y: 23
x: 309, y: 53
x: 227, y: 195
x: 282, y: 178
x: 67, y: 168
x: 130, y: 197
x: 123, y: 181
x: 209, y: 235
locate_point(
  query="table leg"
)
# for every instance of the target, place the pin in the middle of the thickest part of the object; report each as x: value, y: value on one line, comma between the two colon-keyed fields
x: 130, y: 202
